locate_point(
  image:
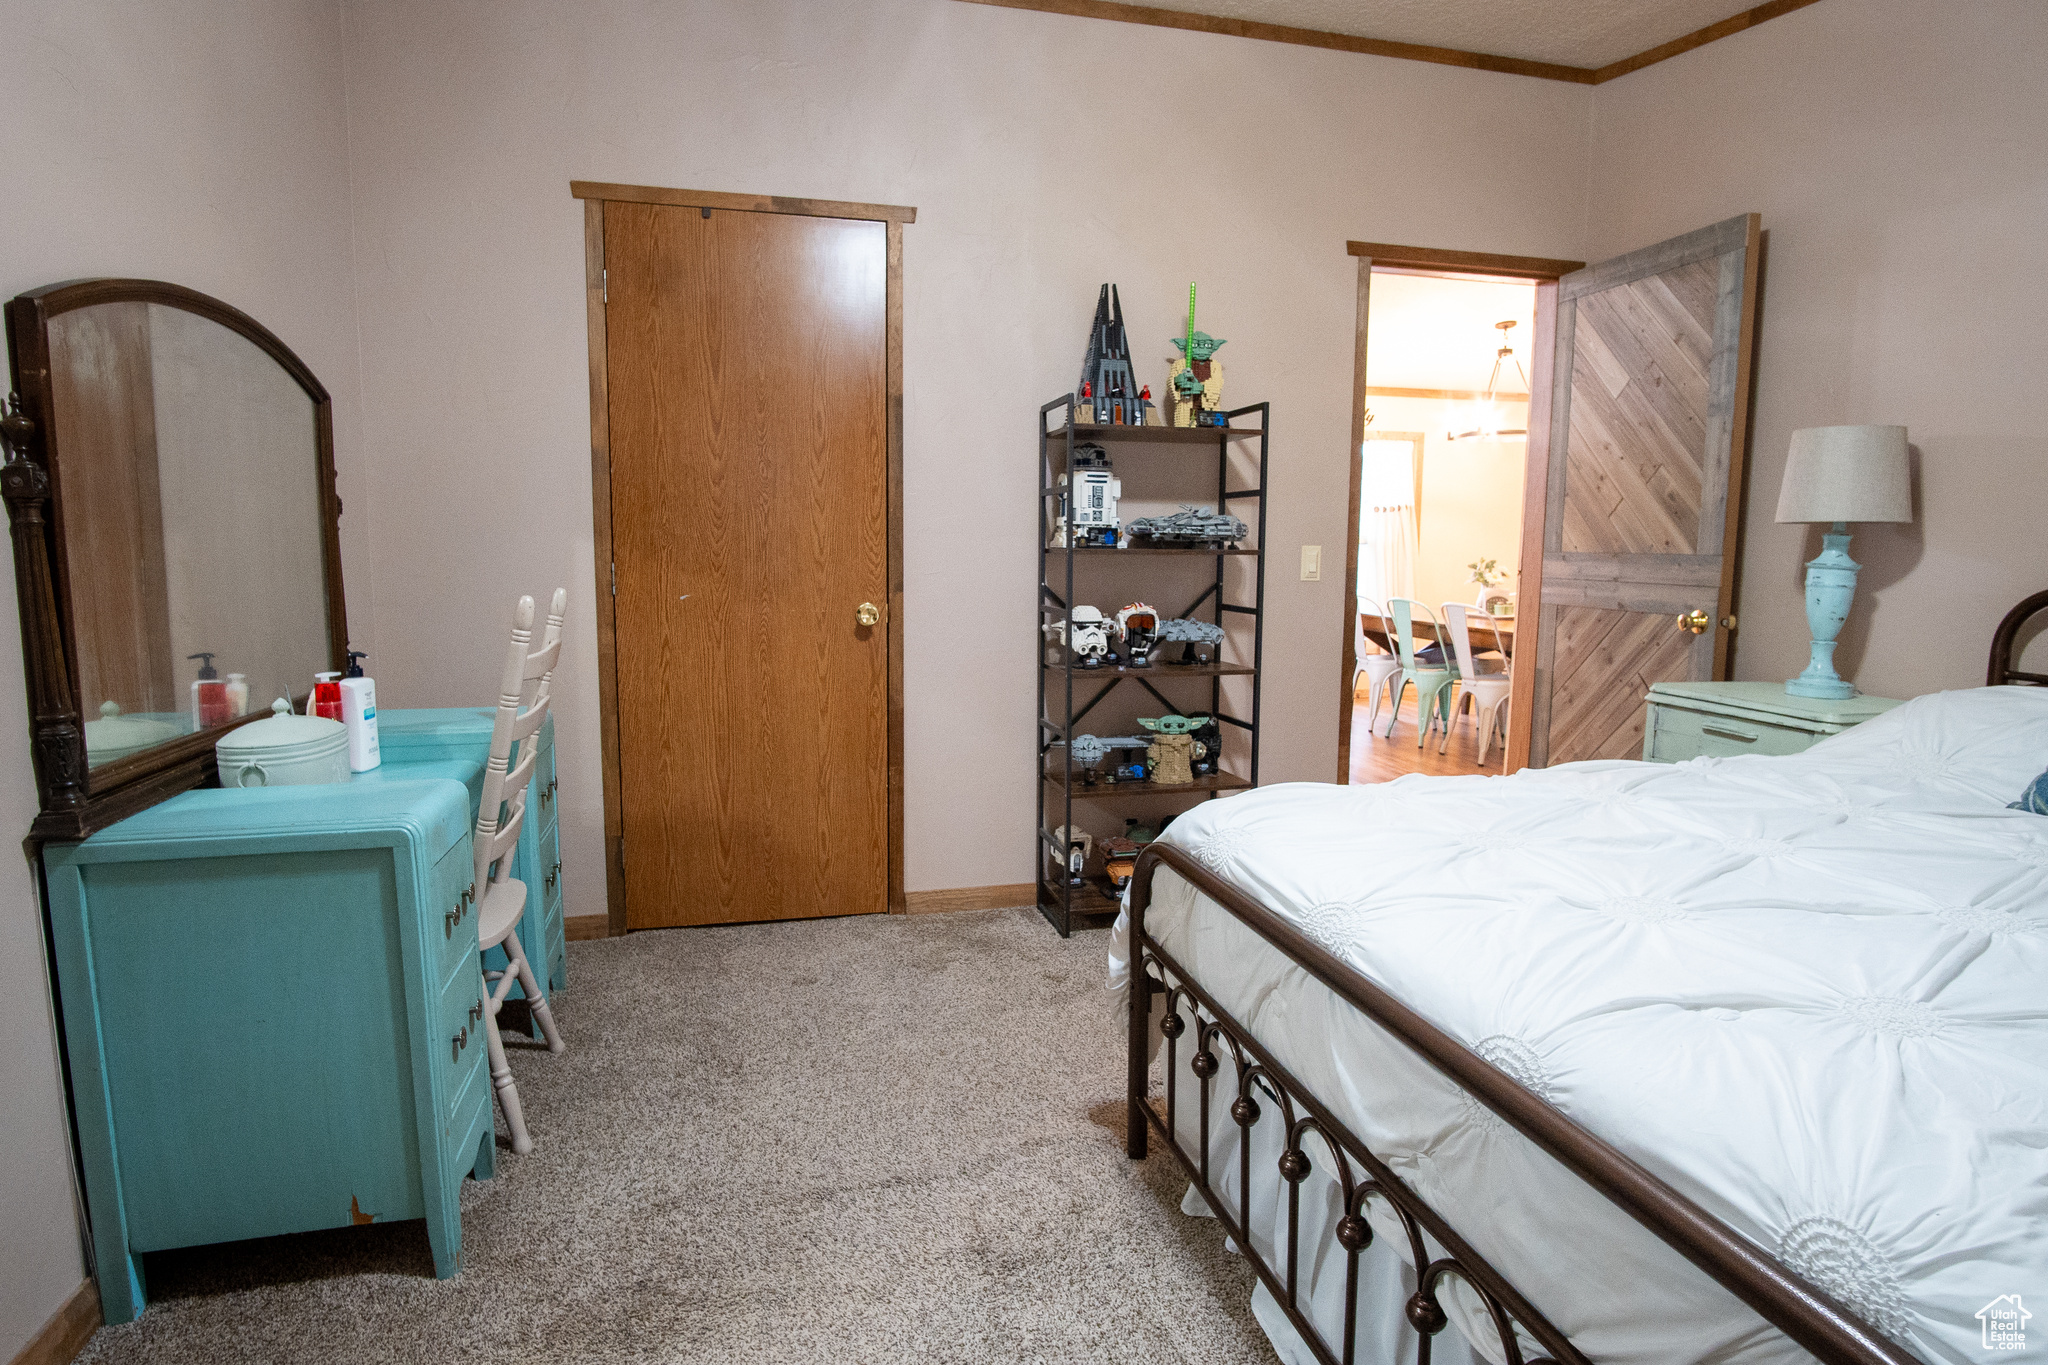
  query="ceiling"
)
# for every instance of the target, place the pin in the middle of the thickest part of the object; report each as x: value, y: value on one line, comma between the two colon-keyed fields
x: 1431, y: 332
x: 1584, y: 33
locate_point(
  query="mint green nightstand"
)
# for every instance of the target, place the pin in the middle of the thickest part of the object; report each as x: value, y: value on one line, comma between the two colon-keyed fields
x: 1722, y: 719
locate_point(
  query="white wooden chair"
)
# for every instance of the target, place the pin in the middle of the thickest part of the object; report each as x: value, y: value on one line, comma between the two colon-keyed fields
x: 501, y: 898
x: 1379, y: 670
x: 1487, y: 692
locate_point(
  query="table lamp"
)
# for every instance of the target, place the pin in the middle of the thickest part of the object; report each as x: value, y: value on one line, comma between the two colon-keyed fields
x: 1839, y: 475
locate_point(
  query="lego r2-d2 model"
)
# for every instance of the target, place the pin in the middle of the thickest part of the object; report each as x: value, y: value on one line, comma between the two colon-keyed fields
x: 1088, y: 498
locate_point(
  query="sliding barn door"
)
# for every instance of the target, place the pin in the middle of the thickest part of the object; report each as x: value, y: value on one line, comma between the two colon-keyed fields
x: 747, y: 370
x: 1648, y: 414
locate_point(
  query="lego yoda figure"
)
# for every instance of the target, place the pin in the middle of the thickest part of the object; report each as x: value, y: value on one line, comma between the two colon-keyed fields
x: 1195, y: 380
x: 1170, y: 756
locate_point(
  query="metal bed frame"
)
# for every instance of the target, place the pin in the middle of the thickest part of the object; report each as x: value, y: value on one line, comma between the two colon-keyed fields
x: 1802, y: 1311
x: 2001, y: 672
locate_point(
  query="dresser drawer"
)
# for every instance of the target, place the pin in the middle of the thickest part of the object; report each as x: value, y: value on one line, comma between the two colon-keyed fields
x: 546, y: 791
x: 549, y: 873
x: 458, y: 1042
x: 1677, y: 734
x: 451, y: 913
x: 466, y: 1129
x: 548, y: 959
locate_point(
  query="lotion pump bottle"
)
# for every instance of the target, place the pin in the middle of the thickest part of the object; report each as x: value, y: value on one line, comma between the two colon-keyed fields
x: 359, y: 714
x: 209, y: 694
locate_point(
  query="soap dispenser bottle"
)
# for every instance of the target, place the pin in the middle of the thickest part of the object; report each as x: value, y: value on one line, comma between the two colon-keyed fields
x: 326, y: 699
x: 209, y: 694
x: 359, y: 714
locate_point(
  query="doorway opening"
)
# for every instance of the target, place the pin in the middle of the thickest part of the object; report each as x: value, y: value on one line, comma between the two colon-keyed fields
x: 1450, y: 405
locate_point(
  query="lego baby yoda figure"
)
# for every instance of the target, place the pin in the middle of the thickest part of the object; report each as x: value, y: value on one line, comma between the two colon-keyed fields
x: 1196, y: 380
x: 1172, y: 753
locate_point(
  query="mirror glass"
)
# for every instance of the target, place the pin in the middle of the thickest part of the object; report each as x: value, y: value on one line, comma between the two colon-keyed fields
x: 191, y: 523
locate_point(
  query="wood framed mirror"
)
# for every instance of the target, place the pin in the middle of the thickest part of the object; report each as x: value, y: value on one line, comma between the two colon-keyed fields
x: 170, y: 487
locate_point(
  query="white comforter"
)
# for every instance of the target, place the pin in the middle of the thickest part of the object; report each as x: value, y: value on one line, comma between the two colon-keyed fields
x: 1809, y: 992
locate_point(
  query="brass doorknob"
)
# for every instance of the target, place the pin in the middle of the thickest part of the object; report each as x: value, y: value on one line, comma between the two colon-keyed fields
x: 1695, y: 621
x: 867, y: 613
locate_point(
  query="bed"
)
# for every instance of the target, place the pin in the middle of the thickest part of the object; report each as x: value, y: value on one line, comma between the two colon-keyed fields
x: 1737, y: 1061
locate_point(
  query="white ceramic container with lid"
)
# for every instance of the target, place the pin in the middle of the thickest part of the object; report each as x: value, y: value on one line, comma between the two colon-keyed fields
x: 284, y: 751
x: 114, y: 735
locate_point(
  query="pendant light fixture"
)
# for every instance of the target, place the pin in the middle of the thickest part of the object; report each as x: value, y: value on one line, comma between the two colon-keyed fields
x: 1483, y: 417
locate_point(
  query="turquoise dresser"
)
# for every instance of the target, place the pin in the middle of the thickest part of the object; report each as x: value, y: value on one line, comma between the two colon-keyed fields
x: 272, y: 1001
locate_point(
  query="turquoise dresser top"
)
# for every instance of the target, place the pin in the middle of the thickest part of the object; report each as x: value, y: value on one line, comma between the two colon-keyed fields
x: 441, y: 744
x: 429, y: 725
x: 335, y: 812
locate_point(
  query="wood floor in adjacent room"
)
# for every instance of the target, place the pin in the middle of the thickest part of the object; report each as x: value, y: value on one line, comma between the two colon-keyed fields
x: 1375, y: 758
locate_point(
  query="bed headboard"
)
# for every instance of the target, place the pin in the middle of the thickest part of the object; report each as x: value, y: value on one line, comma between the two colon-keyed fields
x: 2002, y: 671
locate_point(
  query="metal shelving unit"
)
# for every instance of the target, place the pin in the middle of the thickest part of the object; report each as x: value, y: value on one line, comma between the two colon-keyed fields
x: 1058, y: 783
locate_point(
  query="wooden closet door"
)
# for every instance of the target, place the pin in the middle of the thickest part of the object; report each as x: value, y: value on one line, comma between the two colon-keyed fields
x: 747, y: 362
x: 1649, y: 411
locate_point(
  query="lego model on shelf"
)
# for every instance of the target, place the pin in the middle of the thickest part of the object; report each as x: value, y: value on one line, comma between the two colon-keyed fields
x: 1110, y: 393
x: 1092, y: 483
x: 1194, y: 378
x: 1193, y: 527
x: 1136, y: 624
x: 1191, y: 635
x: 1197, y: 654
x: 1085, y: 632
x: 1175, y: 752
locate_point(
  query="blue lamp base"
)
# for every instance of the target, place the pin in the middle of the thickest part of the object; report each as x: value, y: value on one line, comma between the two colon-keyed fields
x: 1830, y: 588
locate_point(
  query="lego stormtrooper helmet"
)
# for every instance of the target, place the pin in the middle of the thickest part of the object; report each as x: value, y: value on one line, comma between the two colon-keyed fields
x: 1085, y: 632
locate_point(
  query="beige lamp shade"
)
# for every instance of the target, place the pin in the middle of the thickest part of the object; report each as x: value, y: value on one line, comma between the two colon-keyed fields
x: 1846, y: 474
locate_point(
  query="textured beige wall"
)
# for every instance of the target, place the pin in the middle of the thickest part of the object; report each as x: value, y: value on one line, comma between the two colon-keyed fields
x: 1045, y: 155
x: 1898, y: 151
x: 202, y: 143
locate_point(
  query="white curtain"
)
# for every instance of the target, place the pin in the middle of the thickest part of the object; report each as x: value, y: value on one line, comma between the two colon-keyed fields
x: 1386, y: 521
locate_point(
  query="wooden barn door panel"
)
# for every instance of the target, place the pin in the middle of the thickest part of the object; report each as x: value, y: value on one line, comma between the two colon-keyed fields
x: 1649, y: 409
x: 747, y: 376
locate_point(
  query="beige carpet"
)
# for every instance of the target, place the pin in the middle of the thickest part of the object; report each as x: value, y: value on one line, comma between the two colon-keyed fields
x: 878, y: 1139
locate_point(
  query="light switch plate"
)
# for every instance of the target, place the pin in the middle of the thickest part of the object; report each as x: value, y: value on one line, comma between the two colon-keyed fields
x: 1311, y: 563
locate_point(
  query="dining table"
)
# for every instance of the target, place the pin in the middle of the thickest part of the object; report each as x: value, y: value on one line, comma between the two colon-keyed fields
x: 1486, y: 632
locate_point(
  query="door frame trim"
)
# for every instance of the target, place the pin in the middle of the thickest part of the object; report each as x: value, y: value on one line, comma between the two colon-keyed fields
x: 1546, y: 273
x: 595, y: 194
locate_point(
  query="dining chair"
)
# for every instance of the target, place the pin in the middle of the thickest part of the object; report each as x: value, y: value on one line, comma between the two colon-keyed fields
x: 501, y: 897
x: 1431, y: 680
x: 1379, y: 668
x: 1486, y: 691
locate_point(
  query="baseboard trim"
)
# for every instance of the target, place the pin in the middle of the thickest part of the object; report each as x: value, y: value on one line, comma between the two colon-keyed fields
x: 576, y: 928
x: 969, y: 898
x: 67, y: 1331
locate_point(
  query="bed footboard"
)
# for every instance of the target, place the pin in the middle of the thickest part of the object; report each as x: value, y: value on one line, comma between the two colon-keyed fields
x: 1310, y: 1134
